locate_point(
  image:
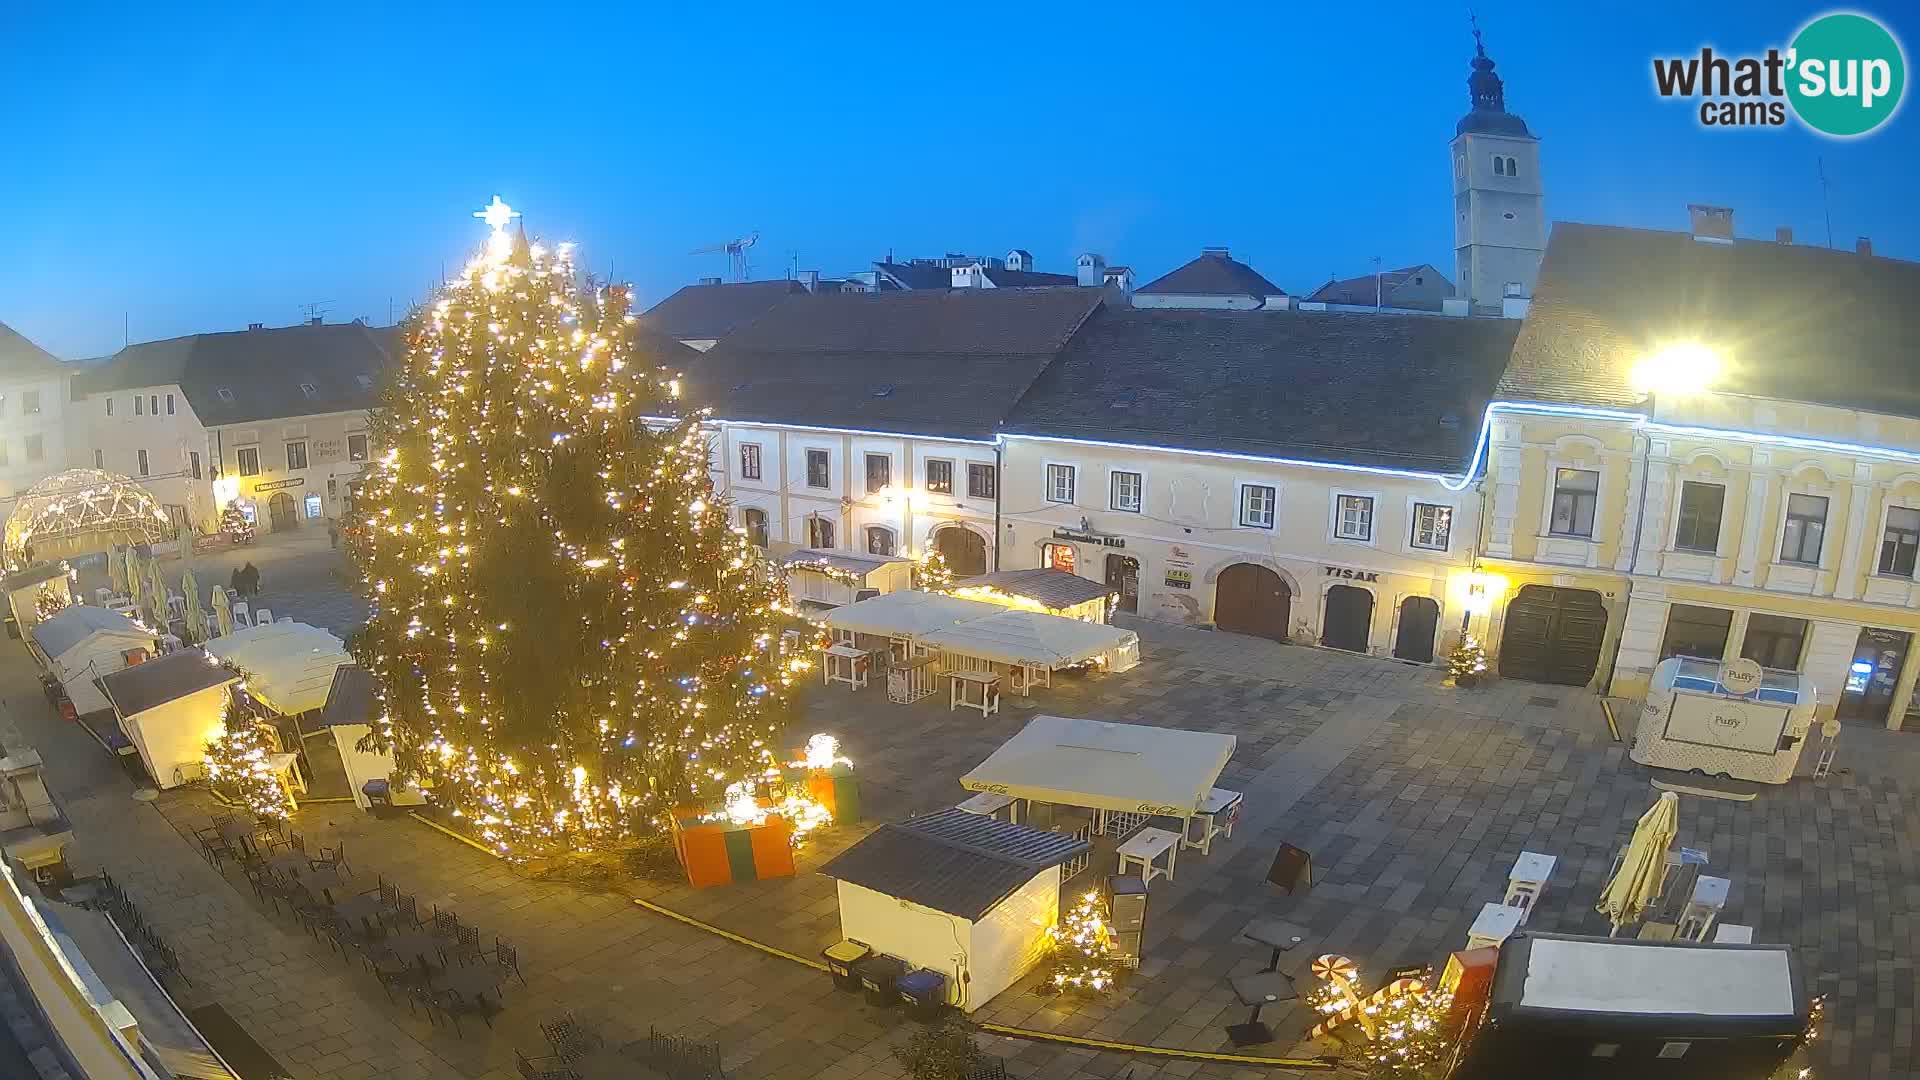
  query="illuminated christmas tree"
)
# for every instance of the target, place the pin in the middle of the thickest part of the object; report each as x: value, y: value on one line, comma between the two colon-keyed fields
x: 239, y: 767
x: 568, y: 636
x: 1467, y: 663
x: 235, y: 526
x: 932, y: 574
x: 1083, y: 947
x: 47, y: 603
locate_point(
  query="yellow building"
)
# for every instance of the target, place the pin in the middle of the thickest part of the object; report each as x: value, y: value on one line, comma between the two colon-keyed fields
x: 1710, y: 447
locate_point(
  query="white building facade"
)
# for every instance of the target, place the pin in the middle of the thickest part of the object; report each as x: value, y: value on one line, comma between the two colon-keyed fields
x: 33, y: 415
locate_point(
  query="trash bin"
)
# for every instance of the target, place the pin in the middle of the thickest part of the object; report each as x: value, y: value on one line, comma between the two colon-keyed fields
x: 841, y: 956
x: 379, y: 793
x: 924, y: 993
x: 877, y: 975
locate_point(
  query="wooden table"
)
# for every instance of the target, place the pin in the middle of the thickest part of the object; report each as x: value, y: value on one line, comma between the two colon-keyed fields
x: 1145, y: 847
x: 989, y: 804
x: 844, y: 663
x: 1219, y: 805
x: 963, y: 682
x: 1495, y: 924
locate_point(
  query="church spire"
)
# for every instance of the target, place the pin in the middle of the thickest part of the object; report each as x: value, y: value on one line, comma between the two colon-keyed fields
x: 1483, y: 86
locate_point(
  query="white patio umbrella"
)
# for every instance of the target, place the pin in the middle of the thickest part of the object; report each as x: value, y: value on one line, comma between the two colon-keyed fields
x: 1643, y: 866
x: 222, y: 610
x: 196, y: 616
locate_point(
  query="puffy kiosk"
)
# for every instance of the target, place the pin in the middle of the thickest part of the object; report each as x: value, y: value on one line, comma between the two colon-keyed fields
x: 1732, y: 720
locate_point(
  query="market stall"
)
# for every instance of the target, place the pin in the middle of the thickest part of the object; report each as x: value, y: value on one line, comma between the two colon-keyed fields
x: 1124, y: 773
x: 1030, y: 646
x: 893, y: 624
x: 1044, y: 590
x: 1725, y: 719
x: 289, y: 669
x: 955, y: 893
x: 345, y: 719
x: 22, y: 591
x: 83, y: 643
x: 820, y: 581
x: 169, y: 709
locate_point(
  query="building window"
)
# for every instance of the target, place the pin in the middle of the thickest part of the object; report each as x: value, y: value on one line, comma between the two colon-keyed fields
x: 1060, y: 483
x: 29, y: 402
x: 140, y: 460
x: 99, y: 458
x: 1806, y: 527
x: 1774, y: 641
x: 1700, y: 506
x: 879, y: 473
x: 749, y: 461
x: 1256, y: 506
x: 139, y: 405
x: 36, y: 448
x: 1696, y: 631
x: 169, y: 404
x: 1901, y: 541
x: 879, y: 540
x: 1499, y: 165
x: 1355, y: 518
x: 755, y: 521
x: 1432, y: 526
x: 193, y: 463
x: 939, y: 476
x: 307, y: 389
x: 153, y: 404
x: 296, y: 455
x: 248, y: 458
x: 356, y: 448
x: 819, y: 470
x: 1125, y: 493
x: 224, y: 394
x: 1575, y: 494
x: 982, y: 481
x: 109, y: 406
x: 819, y: 532
x: 365, y: 381
x: 1057, y: 557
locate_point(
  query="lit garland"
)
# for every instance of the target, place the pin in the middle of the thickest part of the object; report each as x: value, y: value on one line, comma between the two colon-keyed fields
x: 569, y: 637
x: 931, y: 573
x: 1467, y: 663
x: 1083, y: 947
x: 832, y: 573
x: 235, y: 526
x: 1406, y: 1031
x: 47, y: 603
x: 239, y: 764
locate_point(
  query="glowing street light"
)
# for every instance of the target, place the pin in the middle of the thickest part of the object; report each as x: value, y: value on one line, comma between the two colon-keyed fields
x: 1687, y: 367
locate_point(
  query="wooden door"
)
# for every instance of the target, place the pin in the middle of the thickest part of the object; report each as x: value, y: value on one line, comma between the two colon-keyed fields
x: 1250, y: 599
x: 1553, y: 635
x: 1419, y: 618
x: 1349, y: 619
x: 1123, y: 577
x: 964, y: 550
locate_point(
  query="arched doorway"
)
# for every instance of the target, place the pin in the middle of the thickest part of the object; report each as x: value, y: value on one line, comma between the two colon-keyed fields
x: 964, y: 550
x: 1251, y: 599
x: 1553, y: 635
x: 1419, y: 618
x: 1123, y: 577
x: 1349, y: 617
x: 281, y: 512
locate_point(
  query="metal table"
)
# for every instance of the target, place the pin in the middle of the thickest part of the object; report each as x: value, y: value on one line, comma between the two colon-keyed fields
x: 1277, y: 934
x: 356, y: 908
x: 471, y: 982
x: 1258, y: 990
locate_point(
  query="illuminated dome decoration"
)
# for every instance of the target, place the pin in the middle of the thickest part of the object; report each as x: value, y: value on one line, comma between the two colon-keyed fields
x: 81, y: 511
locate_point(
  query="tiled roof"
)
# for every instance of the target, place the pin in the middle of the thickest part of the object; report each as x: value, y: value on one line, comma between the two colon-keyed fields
x: 917, y: 275
x: 937, y: 363
x: 704, y: 312
x: 952, y: 861
x: 1794, y: 323
x: 1029, y: 279
x: 1401, y: 391
x: 262, y: 371
x: 350, y: 698
x: 38, y: 574
x: 1214, y: 273
x: 1360, y: 291
x: 22, y: 358
x: 1054, y: 588
x: 78, y: 622
x: 171, y: 677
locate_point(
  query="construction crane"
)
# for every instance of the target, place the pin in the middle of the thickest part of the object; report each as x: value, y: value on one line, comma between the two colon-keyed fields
x: 739, y: 267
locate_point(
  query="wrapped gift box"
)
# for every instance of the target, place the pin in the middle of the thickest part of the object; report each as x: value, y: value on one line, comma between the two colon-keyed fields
x: 721, y: 852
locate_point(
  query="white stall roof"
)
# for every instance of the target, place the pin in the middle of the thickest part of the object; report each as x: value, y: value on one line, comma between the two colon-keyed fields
x: 78, y: 622
x: 289, y: 665
x: 907, y: 614
x: 1030, y: 637
x: 1092, y: 763
x: 1640, y: 979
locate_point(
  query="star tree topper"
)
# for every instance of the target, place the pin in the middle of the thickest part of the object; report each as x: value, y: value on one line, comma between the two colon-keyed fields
x: 498, y: 215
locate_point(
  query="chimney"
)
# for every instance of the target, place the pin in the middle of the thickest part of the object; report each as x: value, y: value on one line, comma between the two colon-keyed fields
x: 1217, y: 252
x: 1783, y: 235
x: 810, y: 279
x: 1090, y: 269
x: 1712, y: 224
x: 1863, y: 245
x: 314, y: 321
x: 256, y: 326
x: 708, y: 281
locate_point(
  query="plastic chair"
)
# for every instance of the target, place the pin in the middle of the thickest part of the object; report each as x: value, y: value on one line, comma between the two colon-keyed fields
x: 263, y: 617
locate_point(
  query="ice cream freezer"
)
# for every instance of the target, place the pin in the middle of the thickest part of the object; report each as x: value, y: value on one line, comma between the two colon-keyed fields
x: 1731, y: 720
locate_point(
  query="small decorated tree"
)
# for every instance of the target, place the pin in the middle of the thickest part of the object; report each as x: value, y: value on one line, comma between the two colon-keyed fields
x: 1414, y: 1038
x: 235, y: 526
x: 1083, y: 947
x: 1467, y: 663
x: 239, y: 765
x: 47, y: 603
x: 932, y: 574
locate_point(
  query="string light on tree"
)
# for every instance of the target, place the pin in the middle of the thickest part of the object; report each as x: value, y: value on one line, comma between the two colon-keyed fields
x: 1467, y: 663
x: 932, y: 574
x: 240, y: 767
x: 47, y: 603
x: 1083, y: 947
x: 569, y: 637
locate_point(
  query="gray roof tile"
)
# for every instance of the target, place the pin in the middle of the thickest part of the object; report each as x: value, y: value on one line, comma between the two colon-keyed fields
x: 1214, y: 273
x: 261, y: 370
x: 1054, y: 588
x: 22, y: 358
x: 711, y: 312
x: 171, y: 677
x: 951, y: 860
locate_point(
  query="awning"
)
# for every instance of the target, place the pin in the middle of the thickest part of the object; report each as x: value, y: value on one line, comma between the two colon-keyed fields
x: 1030, y: 637
x: 289, y: 665
x: 910, y: 614
x: 1104, y: 766
x: 1057, y: 589
x: 845, y: 562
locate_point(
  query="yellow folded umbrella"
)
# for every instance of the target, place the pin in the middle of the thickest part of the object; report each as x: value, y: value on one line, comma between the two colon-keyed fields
x: 1643, y: 868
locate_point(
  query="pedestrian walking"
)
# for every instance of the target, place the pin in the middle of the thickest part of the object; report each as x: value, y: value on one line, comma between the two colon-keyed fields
x: 333, y: 533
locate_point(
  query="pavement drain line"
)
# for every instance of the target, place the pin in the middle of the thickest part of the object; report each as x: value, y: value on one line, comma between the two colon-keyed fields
x: 1311, y: 1064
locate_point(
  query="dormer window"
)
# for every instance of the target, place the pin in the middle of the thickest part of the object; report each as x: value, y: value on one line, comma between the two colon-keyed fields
x: 365, y: 381
x: 224, y: 394
x: 307, y: 389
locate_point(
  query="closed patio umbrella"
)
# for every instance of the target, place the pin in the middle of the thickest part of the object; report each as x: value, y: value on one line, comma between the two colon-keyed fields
x: 157, y: 601
x: 1643, y: 867
x: 136, y: 581
x: 196, y: 616
x: 222, y: 610
x: 116, y: 572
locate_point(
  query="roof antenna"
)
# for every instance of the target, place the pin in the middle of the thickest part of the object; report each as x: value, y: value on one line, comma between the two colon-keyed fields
x: 1826, y: 207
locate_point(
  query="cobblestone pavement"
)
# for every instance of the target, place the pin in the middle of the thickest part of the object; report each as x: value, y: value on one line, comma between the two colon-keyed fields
x: 1413, y: 799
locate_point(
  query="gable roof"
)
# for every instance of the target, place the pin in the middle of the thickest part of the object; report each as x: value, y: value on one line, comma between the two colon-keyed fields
x: 916, y: 275
x: 1055, y: 588
x: 1397, y: 391
x: 78, y: 622
x: 1214, y: 273
x: 702, y: 312
x: 1360, y: 291
x: 350, y: 697
x: 262, y: 371
x: 951, y: 860
x: 938, y: 363
x: 136, y: 689
x: 1794, y: 323
x: 1028, y: 279
x: 22, y: 358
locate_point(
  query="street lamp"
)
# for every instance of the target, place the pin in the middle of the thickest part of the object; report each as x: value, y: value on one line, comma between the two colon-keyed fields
x: 1686, y: 367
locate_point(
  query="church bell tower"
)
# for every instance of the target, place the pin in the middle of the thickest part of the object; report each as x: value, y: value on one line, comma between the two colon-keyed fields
x: 1499, y: 223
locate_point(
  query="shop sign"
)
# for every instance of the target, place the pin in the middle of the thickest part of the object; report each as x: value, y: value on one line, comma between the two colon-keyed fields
x: 1353, y: 575
x: 298, y: 481
x: 1179, y: 579
x: 1081, y: 536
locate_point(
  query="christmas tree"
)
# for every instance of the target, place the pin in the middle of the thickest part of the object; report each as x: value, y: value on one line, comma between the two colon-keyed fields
x: 1467, y: 663
x: 568, y: 635
x: 932, y: 574
x: 1083, y: 947
x: 235, y: 526
x: 47, y: 603
x: 239, y: 768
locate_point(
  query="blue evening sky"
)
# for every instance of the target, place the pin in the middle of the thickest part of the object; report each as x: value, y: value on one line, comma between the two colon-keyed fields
x: 193, y: 170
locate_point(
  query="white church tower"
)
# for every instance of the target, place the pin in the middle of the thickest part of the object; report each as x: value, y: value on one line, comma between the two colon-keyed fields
x: 1499, y: 223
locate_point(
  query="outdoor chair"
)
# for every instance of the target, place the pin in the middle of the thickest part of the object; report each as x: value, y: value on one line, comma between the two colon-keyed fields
x: 405, y: 912
x: 466, y: 943
x: 544, y: 1069
x: 263, y: 617
x: 312, y: 913
x: 389, y: 895
x: 455, y: 1006
x: 333, y: 858
x: 263, y: 885
x: 569, y: 1040
x: 446, y: 924
x: 507, y: 959
x: 394, y: 973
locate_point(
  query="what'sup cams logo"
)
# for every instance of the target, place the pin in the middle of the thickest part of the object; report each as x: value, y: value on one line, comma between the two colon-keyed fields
x: 1843, y: 76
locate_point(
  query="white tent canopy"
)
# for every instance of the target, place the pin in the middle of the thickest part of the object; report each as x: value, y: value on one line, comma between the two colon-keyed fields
x: 289, y: 665
x: 908, y: 614
x: 1031, y: 638
x: 83, y: 643
x: 1125, y: 767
